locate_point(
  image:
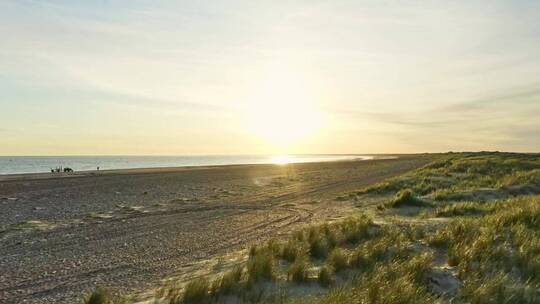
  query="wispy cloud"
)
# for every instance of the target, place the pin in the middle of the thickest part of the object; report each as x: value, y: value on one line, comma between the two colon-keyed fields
x: 506, y: 120
x: 515, y: 98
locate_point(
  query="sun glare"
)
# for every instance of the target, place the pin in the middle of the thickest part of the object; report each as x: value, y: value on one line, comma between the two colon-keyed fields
x: 281, y: 159
x: 283, y: 112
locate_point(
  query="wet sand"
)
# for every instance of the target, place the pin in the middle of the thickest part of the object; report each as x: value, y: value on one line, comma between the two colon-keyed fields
x: 63, y: 234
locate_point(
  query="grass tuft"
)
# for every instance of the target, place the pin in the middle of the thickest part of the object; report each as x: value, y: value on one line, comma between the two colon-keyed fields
x: 229, y: 283
x: 325, y: 276
x: 338, y: 259
x: 406, y: 198
x: 292, y: 250
x: 318, y: 244
x: 356, y: 229
x: 260, y: 267
x: 99, y: 296
x: 197, y: 291
x: 298, y: 271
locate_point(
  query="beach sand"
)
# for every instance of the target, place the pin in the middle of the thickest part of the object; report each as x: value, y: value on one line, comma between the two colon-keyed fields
x: 62, y: 235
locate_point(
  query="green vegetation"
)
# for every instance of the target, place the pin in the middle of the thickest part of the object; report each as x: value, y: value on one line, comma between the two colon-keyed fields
x: 102, y: 296
x: 338, y: 259
x: 468, y: 177
x: 394, y: 282
x: 98, y: 296
x: 261, y: 266
x: 498, y: 253
x: 406, y: 198
x: 298, y: 271
x: 291, y: 251
x: 229, y: 283
x: 463, y: 209
x: 325, y: 277
x: 318, y: 243
x: 196, y: 291
x: 476, y: 240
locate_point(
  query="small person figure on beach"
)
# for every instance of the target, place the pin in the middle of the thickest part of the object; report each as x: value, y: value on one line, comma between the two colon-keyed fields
x: 67, y: 169
x: 98, y: 168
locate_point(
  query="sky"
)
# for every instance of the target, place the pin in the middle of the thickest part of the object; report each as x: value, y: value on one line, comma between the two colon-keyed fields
x: 268, y: 77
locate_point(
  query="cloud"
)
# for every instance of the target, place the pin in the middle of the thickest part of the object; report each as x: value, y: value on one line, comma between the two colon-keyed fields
x: 503, y: 121
x: 124, y: 99
x: 515, y: 98
x: 414, y: 119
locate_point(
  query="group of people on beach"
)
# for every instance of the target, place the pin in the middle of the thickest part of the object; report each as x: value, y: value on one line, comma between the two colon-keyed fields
x: 66, y: 169
x: 60, y: 169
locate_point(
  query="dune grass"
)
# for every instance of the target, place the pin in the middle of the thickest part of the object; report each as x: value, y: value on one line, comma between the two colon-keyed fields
x: 468, y: 176
x: 325, y: 276
x: 338, y: 259
x: 229, y: 283
x: 371, y: 245
x: 260, y: 266
x: 463, y: 209
x: 292, y: 250
x: 196, y: 291
x: 498, y: 254
x: 395, y: 282
x: 102, y: 295
x: 406, y: 198
x: 98, y: 296
x: 299, y: 271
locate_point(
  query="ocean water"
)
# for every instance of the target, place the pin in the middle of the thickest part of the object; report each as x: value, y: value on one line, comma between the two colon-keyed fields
x: 39, y: 164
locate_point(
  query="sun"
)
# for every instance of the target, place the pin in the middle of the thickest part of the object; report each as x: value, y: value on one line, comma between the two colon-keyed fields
x: 282, y: 122
x: 283, y: 112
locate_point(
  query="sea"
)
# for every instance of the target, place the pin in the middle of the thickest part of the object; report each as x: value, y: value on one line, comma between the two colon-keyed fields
x: 41, y: 164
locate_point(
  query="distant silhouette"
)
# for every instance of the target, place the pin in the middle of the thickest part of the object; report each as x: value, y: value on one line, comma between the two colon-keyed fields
x: 68, y: 169
x: 98, y: 168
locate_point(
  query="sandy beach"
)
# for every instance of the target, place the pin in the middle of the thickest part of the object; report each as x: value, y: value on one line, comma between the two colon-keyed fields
x: 62, y: 235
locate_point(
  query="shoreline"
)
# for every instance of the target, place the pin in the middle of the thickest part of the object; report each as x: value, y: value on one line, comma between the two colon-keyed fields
x: 156, y: 170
